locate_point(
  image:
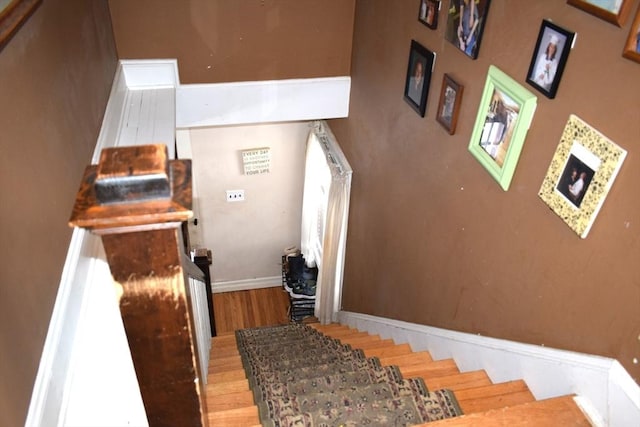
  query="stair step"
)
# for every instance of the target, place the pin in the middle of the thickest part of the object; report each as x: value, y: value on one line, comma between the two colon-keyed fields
x: 388, y: 350
x: 459, y: 381
x: 224, y: 360
x: 345, y: 333
x: 225, y: 376
x: 557, y: 411
x: 484, y: 398
x: 223, y: 340
x: 220, y: 353
x: 437, y: 368
x: 225, y: 402
x: 332, y: 327
x: 358, y: 340
x: 227, y: 387
x: 411, y: 359
x: 229, y: 363
x: 354, y: 338
x: 240, y: 417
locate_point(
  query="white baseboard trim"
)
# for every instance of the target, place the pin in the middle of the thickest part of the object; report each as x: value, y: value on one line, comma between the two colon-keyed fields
x: 607, y: 392
x: 245, y: 285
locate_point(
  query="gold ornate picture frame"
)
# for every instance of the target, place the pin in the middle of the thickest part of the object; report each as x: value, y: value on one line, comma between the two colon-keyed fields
x: 581, y: 174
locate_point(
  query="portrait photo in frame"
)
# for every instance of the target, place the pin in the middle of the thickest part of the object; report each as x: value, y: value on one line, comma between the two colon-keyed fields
x: 449, y: 104
x: 632, y: 47
x: 549, y: 58
x: 581, y: 174
x: 613, y: 11
x: 465, y: 24
x: 428, y: 13
x: 504, y: 115
x: 419, y: 69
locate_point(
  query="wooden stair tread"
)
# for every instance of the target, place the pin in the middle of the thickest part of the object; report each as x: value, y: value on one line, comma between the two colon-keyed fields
x: 223, y: 340
x: 376, y: 344
x: 220, y: 352
x: 329, y: 327
x: 559, y: 411
x: 332, y: 328
x: 389, y: 350
x: 225, y: 360
x: 224, y: 402
x: 411, y: 359
x: 355, y: 338
x: 225, y: 376
x: 225, y: 364
x: 240, y: 417
x: 459, y: 381
x: 484, y: 398
x: 348, y: 334
x: 227, y: 387
x: 437, y: 368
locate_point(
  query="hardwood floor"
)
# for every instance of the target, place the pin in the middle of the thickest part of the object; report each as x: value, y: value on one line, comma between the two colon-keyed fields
x: 247, y: 309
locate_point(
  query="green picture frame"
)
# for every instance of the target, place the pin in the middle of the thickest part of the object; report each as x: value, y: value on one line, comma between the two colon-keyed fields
x: 504, y: 115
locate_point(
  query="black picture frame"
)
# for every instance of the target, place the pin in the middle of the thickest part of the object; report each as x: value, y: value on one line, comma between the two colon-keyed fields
x: 545, y: 72
x: 419, y: 70
x: 462, y: 31
x: 428, y: 13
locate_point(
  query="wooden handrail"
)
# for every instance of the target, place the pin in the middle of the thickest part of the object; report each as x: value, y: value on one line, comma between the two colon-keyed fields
x: 136, y: 199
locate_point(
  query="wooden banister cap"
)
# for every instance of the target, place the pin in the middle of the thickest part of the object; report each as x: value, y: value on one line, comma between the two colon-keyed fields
x: 133, y: 187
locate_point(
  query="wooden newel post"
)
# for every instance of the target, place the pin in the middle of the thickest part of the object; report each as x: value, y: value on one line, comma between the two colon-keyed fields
x: 136, y: 200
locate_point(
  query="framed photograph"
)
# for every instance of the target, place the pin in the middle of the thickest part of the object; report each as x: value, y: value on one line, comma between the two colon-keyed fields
x: 581, y: 174
x: 549, y: 58
x: 465, y: 24
x: 614, y: 11
x: 632, y: 47
x: 449, y: 105
x: 505, y: 113
x: 13, y: 13
x: 416, y: 87
x: 428, y: 13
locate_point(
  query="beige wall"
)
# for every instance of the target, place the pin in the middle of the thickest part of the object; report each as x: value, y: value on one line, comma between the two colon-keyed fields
x: 228, y: 41
x: 432, y: 237
x: 55, y: 76
x: 247, y: 238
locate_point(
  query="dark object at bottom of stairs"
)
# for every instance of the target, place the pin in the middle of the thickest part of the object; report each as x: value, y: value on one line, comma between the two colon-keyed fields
x: 293, y: 388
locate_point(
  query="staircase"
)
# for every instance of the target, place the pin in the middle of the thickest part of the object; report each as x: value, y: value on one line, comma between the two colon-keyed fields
x: 230, y: 401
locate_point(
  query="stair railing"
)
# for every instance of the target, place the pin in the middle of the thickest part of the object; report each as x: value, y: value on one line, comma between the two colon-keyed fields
x: 136, y: 200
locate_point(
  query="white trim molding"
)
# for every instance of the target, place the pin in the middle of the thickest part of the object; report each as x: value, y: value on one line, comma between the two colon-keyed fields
x: 607, y: 393
x: 222, y: 104
x: 245, y: 285
x: 150, y: 73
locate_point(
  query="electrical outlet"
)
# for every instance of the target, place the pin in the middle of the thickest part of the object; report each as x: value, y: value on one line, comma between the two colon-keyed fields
x: 235, y: 195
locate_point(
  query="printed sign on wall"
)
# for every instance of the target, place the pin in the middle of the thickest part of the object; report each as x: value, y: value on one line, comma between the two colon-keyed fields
x: 256, y: 160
